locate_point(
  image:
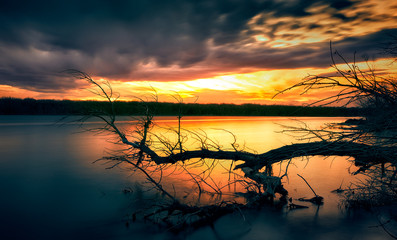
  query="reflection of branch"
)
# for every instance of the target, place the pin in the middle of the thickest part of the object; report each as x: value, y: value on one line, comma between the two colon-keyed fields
x: 154, y: 182
x: 384, y: 227
x: 315, y: 194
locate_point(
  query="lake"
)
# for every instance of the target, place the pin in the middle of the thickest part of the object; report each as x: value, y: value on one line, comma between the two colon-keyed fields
x: 51, y: 189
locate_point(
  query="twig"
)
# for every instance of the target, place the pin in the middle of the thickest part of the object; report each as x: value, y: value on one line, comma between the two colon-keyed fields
x: 308, y: 185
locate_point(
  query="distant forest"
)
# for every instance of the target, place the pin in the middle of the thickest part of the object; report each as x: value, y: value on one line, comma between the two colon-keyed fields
x: 29, y: 106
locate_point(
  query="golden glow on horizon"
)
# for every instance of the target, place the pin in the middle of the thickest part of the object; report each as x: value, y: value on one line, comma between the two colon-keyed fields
x: 229, y: 82
x: 256, y: 87
x: 239, y: 84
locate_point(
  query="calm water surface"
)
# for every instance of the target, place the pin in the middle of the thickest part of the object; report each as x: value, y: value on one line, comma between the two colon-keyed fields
x: 50, y: 188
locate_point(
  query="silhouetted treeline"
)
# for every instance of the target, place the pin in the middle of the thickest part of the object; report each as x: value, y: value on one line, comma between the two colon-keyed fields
x: 28, y: 106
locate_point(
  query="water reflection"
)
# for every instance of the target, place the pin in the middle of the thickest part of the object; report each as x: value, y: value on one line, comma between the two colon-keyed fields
x: 51, y: 189
x: 258, y: 134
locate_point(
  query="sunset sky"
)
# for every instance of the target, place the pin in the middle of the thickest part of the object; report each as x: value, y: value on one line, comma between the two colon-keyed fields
x: 207, y: 51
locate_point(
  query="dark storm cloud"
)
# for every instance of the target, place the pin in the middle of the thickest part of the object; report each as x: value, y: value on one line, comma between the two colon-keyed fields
x: 111, y: 38
x: 371, y: 46
x: 340, y: 4
x: 230, y: 60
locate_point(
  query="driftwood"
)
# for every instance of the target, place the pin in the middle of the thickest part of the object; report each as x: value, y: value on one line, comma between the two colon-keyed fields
x: 316, y: 199
x: 364, y: 155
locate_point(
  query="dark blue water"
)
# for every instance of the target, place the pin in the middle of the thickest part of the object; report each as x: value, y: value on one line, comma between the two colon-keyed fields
x: 50, y: 189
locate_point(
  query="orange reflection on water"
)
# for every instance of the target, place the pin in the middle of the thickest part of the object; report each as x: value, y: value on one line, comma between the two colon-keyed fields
x: 254, y: 134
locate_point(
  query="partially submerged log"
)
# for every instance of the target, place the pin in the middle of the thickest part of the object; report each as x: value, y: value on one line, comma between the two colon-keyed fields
x: 364, y: 155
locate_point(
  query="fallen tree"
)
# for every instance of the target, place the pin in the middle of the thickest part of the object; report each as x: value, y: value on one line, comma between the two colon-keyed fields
x: 153, y: 154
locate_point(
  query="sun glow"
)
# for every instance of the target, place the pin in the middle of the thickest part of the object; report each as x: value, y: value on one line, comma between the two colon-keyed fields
x: 222, y: 83
x: 234, y: 88
x: 254, y: 87
x: 258, y: 87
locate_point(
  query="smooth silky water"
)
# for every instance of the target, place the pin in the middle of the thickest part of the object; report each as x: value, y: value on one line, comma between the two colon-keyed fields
x: 51, y: 189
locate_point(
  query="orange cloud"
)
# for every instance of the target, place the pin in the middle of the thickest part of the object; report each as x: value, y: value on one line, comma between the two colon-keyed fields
x: 255, y: 87
x: 322, y: 24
